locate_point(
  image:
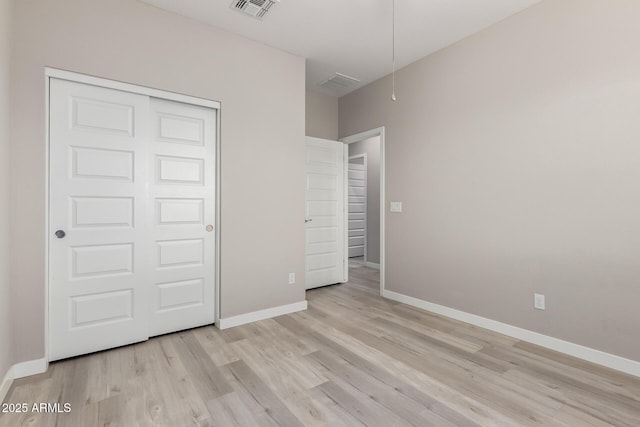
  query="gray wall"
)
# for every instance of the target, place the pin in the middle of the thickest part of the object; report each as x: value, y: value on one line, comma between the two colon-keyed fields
x: 262, y: 154
x: 6, y: 344
x: 371, y: 147
x: 515, y: 154
x: 321, y: 116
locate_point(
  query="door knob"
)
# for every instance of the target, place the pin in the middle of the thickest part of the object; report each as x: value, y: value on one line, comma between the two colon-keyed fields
x: 209, y: 228
x: 60, y: 234
x: 308, y: 220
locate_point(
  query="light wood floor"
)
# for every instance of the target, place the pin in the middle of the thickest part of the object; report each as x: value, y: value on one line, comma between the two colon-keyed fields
x: 351, y: 359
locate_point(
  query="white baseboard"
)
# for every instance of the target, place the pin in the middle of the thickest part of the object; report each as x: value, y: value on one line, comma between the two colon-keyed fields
x: 30, y: 367
x: 372, y: 265
x: 612, y: 361
x: 242, y: 319
x: 6, y: 383
x: 20, y: 370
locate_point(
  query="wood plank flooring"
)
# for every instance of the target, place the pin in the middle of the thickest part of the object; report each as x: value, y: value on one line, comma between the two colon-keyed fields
x: 351, y: 359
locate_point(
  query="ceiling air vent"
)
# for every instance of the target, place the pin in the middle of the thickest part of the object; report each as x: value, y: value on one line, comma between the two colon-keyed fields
x: 339, y: 81
x: 255, y: 8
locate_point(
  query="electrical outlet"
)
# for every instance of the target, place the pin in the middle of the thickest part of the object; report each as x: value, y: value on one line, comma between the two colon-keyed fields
x: 292, y: 278
x: 538, y: 301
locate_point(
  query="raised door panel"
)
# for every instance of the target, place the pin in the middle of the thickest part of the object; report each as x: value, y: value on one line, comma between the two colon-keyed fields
x: 100, y: 212
x: 101, y: 164
x: 100, y: 116
x: 180, y: 253
x: 179, y: 170
x: 101, y: 309
x: 179, y: 211
x: 101, y: 260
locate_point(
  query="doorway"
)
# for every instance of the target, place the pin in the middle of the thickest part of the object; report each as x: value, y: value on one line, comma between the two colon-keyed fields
x: 365, y: 201
x: 327, y: 217
x: 357, y: 205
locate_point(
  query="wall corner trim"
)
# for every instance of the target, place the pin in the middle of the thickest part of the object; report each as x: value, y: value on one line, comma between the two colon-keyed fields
x: 612, y: 361
x: 254, y: 316
x: 20, y: 370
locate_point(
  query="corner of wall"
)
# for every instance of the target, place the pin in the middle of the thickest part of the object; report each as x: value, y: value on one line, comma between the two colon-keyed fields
x: 6, y: 99
x: 321, y: 116
x: 21, y: 370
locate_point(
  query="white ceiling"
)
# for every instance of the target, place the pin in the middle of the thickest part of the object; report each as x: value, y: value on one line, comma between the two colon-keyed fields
x: 353, y: 37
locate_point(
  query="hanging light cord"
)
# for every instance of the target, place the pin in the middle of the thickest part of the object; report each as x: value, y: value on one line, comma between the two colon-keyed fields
x: 393, y: 52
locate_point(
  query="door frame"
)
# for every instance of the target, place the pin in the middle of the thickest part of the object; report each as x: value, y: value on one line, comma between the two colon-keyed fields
x: 56, y: 73
x: 366, y: 201
x: 380, y: 131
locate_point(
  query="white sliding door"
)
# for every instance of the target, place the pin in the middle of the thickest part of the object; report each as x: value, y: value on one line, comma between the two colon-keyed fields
x: 98, y: 218
x: 131, y: 195
x: 182, y: 217
x: 324, y: 210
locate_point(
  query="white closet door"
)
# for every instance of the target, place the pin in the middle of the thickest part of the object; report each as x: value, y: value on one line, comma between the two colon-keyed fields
x: 132, y: 209
x: 324, y: 207
x: 183, y: 216
x: 357, y: 208
x: 98, y: 206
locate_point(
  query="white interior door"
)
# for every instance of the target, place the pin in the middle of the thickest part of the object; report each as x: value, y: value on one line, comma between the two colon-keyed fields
x: 182, y: 217
x: 324, y: 210
x: 357, y: 206
x: 132, y: 209
x: 98, y: 207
